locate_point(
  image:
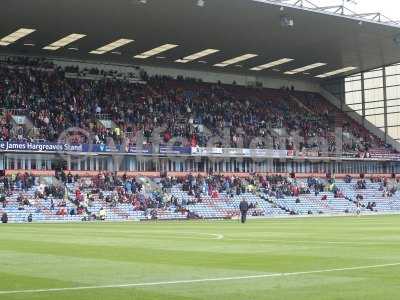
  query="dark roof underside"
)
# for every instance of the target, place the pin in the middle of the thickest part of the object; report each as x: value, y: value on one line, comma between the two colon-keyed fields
x: 235, y: 27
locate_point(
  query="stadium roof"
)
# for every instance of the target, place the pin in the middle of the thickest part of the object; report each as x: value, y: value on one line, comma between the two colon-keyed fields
x: 236, y: 36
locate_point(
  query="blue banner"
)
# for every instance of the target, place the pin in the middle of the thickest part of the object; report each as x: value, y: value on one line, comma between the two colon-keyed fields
x: 175, y: 150
x: 58, y: 147
x: 138, y: 150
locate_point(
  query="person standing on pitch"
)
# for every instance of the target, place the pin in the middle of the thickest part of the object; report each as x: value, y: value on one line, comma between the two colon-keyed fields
x: 244, y: 207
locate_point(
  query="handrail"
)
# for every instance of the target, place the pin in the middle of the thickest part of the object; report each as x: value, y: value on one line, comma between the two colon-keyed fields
x: 14, y: 111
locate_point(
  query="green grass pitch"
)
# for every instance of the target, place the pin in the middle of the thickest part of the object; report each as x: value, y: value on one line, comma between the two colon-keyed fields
x: 299, y: 258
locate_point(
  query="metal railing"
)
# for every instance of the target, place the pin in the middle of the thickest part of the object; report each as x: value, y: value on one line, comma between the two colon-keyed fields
x: 338, y: 10
x: 104, y: 116
x: 14, y: 111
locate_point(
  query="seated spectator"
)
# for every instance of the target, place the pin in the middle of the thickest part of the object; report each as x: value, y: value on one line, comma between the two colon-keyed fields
x: 361, y: 184
x: 102, y: 214
x: 62, y: 211
x: 3, y: 200
x: 348, y: 179
x: 4, y: 218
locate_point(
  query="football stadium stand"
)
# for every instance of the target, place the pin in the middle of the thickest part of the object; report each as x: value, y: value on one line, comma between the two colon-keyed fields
x: 199, y: 149
x: 40, y: 101
x: 137, y: 130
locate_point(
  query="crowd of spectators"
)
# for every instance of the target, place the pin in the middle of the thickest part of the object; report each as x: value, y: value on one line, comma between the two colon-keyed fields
x: 272, y: 185
x: 356, y: 138
x: 165, y: 110
x: 19, y: 184
x: 154, y: 195
x: 19, y: 181
x: 143, y: 194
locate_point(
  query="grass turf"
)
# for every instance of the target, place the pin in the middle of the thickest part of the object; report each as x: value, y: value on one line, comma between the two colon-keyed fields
x: 45, y: 256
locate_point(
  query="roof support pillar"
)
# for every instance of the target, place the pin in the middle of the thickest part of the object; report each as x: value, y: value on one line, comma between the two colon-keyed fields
x: 385, y: 110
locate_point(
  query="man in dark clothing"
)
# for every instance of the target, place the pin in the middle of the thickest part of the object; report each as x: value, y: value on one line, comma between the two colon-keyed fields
x: 3, y: 200
x: 244, y: 207
x: 4, y: 218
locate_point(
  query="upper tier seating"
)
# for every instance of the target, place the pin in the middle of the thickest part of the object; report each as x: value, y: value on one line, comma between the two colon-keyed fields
x: 198, y: 114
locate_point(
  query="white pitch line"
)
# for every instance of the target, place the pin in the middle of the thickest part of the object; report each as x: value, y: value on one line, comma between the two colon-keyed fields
x: 191, y: 235
x: 211, y: 236
x: 307, y: 241
x: 145, y: 284
x: 217, y: 236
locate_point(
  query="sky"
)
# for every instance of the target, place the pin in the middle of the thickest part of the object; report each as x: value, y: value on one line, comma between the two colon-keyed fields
x: 389, y: 8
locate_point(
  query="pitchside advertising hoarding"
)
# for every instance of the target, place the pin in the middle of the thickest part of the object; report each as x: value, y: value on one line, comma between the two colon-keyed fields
x: 47, y: 147
x: 239, y: 152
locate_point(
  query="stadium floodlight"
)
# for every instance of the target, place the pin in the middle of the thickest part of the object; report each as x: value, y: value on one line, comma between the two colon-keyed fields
x: 156, y: 51
x: 235, y: 60
x: 336, y: 72
x: 197, y: 55
x: 272, y: 64
x: 305, y: 68
x: 15, y: 36
x: 111, y: 46
x: 287, y: 21
x: 64, y: 41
